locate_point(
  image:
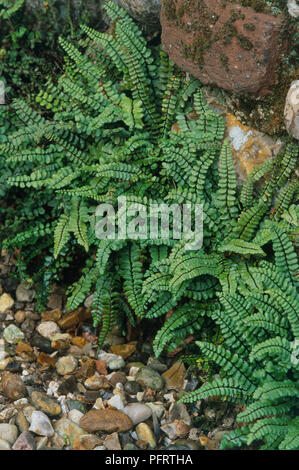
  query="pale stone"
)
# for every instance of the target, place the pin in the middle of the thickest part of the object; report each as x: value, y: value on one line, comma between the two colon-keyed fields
x: 48, y: 329
x: 6, y: 302
x: 291, y: 110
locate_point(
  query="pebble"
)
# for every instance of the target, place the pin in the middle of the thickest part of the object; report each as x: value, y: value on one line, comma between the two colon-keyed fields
x: 148, y: 377
x: 132, y: 387
x: 117, y: 402
x: 6, y: 302
x: 4, y: 445
x: 66, y: 365
x: 76, y: 405
x: 117, y: 361
x: 40, y: 424
x: 43, y: 403
x: 99, y: 405
x: 24, y: 294
x: 12, y: 386
x: 157, y: 408
x: 117, y: 377
x: 291, y: 111
x: 22, y: 422
x: 68, y: 430
x: 20, y: 316
x: 12, y: 334
x: 90, y: 441
x: 138, y: 412
x: 25, y: 441
x: 48, y: 329
x: 145, y: 433
x: 124, y: 350
x: 100, y: 448
x: 155, y: 364
x: 111, y: 442
x: 97, y: 382
x: 116, y: 364
x: 176, y: 429
x: 41, y: 443
x: 174, y: 377
x: 106, y: 420
x: 75, y: 416
x: 43, y: 344
x: 14, y: 367
x: 8, y: 432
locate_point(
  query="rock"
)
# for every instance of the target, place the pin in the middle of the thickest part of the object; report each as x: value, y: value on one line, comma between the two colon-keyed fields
x: 66, y: 365
x: 46, y: 361
x: 24, y: 293
x: 8, y: 432
x: 224, y: 44
x: 130, y: 446
x: 25, y: 441
x: 89, y: 441
x: 157, y: 408
x: 69, y: 430
x: 117, y: 402
x: 293, y: 8
x: 22, y: 422
x: 28, y: 326
x: 145, y: 433
x: 101, y: 367
x: 40, y: 424
x: 249, y: 146
x: 176, y: 429
x: 12, y: 334
x: 187, y: 444
x: 72, y: 318
x: 12, y: 386
x: 113, y: 361
x: 20, y: 316
x: 209, y: 444
x: 138, y: 412
x: 52, y: 315
x: 291, y: 110
x: 41, y: 443
x: 4, y: 445
x: 55, y: 302
x: 117, y: 377
x: 14, y: 367
x: 100, y: 448
x: 155, y: 364
x: 111, y: 442
x: 69, y: 385
x: 75, y: 416
x: 124, y: 350
x: 97, y: 382
x: 132, y: 387
x: 6, y: 302
x: 148, y: 377
x: 174, y: 377
x: 76, y: 405
x: 43, y: 403
x: 48, y: 329
x: 42, y: 343
x: 28, y: 410
x: 89, y: 301
x: 179, y: 411
x: 106, y: 420
x: 146, y: 12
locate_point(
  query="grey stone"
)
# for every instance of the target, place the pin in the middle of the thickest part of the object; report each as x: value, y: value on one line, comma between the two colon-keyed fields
x: 24, y: 293
x: 25, y: 442
x: 8, y: 432
x: 148, y: 377
x: 138, y: 412
x: 291, y: 110
x: 146, y: 12
x: 40, y: 424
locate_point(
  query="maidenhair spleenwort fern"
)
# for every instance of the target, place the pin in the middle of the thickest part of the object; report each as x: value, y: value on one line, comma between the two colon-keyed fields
x: 124, y: 121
